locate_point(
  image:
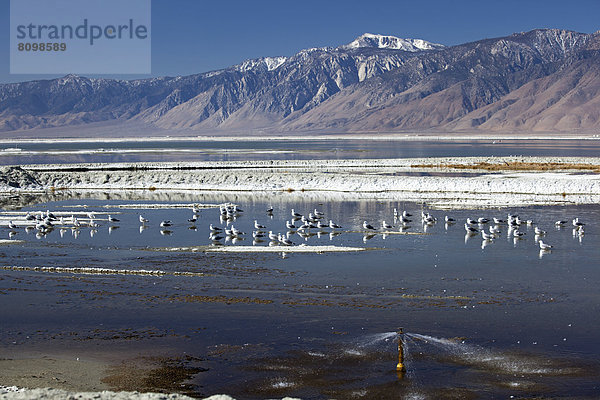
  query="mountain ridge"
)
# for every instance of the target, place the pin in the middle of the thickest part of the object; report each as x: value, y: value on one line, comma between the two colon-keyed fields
x: 391, y: 42
x: 540, y: 80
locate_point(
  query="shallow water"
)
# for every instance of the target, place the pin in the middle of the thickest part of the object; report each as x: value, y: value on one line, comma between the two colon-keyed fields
x: 181, y: 151
x: 319, y: 325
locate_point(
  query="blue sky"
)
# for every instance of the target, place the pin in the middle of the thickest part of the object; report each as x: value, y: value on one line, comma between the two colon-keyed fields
x: 191, y: 36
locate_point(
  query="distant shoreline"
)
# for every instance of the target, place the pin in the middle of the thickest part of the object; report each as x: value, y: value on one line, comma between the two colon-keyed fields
x: 307, y: 137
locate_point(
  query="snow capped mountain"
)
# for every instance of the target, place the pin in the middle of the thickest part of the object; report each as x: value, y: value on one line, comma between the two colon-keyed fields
x: 391, y: 42
x: 270, y: 63
x: 546, y: 79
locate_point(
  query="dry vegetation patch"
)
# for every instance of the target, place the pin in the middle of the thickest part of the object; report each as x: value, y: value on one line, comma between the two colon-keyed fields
x: 517, y: 166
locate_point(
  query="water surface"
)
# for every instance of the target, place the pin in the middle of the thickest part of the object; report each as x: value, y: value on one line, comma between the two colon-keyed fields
x: 181, y: 151
x: 483, y: 319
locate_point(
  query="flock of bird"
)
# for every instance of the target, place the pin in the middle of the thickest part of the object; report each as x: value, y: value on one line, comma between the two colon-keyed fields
x: 305, y: 226
x: 474, y: 227
x: 45, y: 222
x: 315, y: 224
x: 514, y: 224
x: 297, y: 224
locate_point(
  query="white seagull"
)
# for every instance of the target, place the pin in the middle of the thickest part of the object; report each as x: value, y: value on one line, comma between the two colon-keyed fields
x: 487, y: 236
x: 368, y: 226
x: 470, y: 229
x: 285, y: 241
x: 429, y: 219
x: 545, y: 246
x: 517, y: 233
x: 215, y: 237
x: 322, y: 225
x: 143, y: 220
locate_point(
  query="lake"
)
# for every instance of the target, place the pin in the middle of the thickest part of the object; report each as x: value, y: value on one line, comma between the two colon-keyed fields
x: 481, y: 319
x: 181, y: 151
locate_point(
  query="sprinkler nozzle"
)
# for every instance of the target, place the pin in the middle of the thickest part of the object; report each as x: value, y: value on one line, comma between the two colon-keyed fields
x: 400, y: 367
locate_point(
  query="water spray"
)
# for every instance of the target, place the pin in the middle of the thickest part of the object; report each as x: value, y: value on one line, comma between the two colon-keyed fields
x: 400, y: 369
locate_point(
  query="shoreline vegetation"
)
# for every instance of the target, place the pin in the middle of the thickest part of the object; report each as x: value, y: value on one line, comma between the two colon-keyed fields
x: 516, y: 166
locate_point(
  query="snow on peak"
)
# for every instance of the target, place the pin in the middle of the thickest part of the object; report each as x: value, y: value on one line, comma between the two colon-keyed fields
x: 69, y: 78
x: 391, y: 42
x: 73, y: 80
x: 268, y: 63
x: 274, y: 62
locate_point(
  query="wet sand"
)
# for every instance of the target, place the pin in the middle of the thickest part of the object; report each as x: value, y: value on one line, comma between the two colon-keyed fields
x: 65, y: 376
x: 57, y: 372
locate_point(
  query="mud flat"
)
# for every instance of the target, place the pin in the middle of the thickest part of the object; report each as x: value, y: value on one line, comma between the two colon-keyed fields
x: 57, y: 378
x: 500, y: 181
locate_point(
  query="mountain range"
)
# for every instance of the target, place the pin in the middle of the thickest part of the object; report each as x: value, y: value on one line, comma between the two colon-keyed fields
x: 545, y: 80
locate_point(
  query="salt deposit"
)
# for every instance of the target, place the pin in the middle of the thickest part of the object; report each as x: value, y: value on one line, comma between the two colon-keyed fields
x: 264, y: 249
x: 15, y: 393
x: 343, y: 178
